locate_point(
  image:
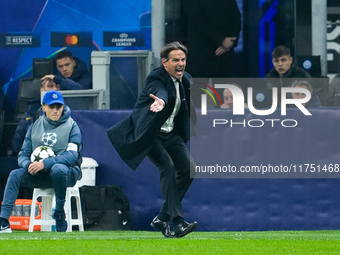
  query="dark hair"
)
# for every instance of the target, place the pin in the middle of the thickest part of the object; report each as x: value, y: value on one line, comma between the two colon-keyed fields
x: 170, y: 47
x: 64, y: 54
x: 280, y: 51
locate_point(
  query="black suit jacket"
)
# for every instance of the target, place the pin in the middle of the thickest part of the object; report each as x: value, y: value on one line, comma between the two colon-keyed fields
x: 134, y: 136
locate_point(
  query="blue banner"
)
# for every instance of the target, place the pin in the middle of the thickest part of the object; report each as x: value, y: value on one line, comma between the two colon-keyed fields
x: 19, y: 40
x: 123, y: 39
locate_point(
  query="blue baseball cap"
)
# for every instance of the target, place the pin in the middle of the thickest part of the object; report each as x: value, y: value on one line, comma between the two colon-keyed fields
x: 53, y: 97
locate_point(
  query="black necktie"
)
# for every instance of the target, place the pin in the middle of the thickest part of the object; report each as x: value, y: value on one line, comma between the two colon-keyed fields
x: 181, y: 90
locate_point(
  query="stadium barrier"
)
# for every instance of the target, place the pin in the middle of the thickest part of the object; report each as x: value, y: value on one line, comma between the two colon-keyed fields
x: 234, y: 204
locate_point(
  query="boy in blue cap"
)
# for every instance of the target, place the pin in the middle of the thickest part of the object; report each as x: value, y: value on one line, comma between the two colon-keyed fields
x: 57, y: 130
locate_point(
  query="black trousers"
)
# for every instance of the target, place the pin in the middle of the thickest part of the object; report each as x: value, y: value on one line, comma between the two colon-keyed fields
x: 173, y: 161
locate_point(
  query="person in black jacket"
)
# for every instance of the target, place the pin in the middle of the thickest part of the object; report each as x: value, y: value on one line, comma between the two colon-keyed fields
x: 284, y: 68
x: 159, y: 128
x: 213, y: 32
x: 73, y: 72
x: 284, y: 72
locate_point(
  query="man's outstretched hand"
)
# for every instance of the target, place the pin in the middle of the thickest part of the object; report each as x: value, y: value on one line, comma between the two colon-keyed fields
x: 157, y: 105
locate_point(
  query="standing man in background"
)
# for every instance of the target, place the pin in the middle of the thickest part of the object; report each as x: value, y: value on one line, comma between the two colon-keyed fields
x: 159, y: 128
x: 73, y: 72
x: 213, y: 32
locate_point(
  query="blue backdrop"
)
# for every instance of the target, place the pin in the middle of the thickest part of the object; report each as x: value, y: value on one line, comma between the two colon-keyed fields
x: 41, y: 17
x: 236, y: 204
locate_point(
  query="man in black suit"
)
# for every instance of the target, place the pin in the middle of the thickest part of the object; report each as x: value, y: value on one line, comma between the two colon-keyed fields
x: 159, y: 128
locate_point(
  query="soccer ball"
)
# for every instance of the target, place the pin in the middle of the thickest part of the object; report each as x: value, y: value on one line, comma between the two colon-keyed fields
x: 41, y: 152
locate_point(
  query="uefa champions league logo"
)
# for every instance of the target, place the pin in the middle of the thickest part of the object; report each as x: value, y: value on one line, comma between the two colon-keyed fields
x: 49, y: 139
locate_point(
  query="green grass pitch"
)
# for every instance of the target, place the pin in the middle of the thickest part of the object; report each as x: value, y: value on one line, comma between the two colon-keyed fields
x: 144, y: 242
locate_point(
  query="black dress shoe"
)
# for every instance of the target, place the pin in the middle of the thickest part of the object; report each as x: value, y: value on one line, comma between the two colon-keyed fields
x: 163, y: 226
x: 185, y: 228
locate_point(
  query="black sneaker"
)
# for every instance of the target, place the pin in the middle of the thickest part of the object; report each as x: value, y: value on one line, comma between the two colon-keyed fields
x: 4, y: 226
x: 60, y: 222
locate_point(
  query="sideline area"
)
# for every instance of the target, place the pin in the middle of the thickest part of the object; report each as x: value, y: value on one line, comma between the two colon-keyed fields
x: 143, y: 242
x: 234, y: 204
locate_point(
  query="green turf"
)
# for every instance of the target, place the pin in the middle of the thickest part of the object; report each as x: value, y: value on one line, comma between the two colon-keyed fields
x: 143, y: 242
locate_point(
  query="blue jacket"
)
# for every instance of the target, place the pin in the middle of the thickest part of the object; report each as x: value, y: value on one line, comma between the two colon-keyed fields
x: 80, y: 79
x: 68, y: 157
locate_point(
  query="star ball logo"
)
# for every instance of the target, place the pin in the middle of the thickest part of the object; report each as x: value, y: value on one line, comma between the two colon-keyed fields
x: 239, y: 105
